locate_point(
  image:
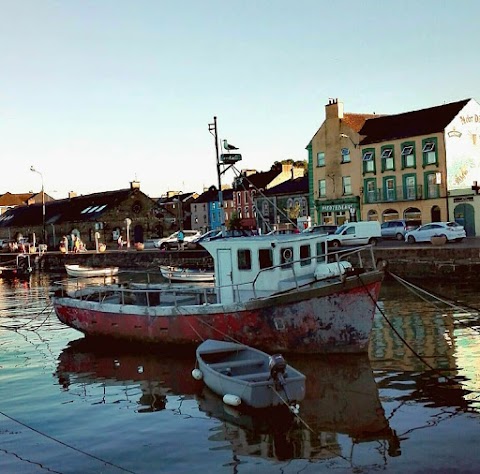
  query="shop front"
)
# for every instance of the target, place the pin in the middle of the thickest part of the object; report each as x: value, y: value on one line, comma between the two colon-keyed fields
x: 338, y: 211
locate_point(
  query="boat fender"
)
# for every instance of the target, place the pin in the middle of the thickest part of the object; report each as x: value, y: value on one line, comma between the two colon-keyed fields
x: 197, y: 374
x: 232, y: 400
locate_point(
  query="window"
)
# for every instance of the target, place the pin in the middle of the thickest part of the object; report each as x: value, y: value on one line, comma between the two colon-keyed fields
x: 346, y: 158
x: 389, y: 185
x: 305, y: 255
x: 388, y: 162
x: 347, y: 185
x: 320, y: 251
x: 322, y: 187
x: 244, y: 259
x: 429, y: 150
x: 286, y: 257
x: 408, y: 156
x: 432, y: 186
x: 321, y: 158
x: 247, y: 212
x: 371, y: 191
x: 368, y: 159
x: 410, y: 186
x: 239, y: 212
x: 265, y: 208
x: 265, y: 258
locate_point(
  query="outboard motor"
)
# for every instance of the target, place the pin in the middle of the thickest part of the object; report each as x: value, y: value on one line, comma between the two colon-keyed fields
x: 277, y: 366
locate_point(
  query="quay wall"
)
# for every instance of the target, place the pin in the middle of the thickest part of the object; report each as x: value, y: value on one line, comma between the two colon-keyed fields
x: 413, y: 263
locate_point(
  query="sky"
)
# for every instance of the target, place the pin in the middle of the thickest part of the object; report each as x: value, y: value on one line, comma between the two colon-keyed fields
x: 97, y: 93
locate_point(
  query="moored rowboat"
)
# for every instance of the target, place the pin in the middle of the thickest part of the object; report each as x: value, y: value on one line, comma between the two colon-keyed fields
x: 242, y: 374
x: 187, y: 274
x: 82, y: 271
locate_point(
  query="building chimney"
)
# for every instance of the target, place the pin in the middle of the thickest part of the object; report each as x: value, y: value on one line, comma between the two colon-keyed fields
x: 334, y: 109
x: 135, y: 184
x: 72, y: 194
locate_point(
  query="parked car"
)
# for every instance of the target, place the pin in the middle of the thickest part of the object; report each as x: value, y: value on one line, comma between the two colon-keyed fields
x: 397, y: 229
x: 196, y: 243
x: 451, y: 230
x: 356, y: 233
x: 171, y: 242
x: 322, y: 229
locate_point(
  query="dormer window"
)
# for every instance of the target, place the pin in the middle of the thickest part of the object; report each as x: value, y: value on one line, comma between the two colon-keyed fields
x: 428, y: 147
x: 387, y: 153
x: 368, y: 156
x: 388, y: 162
x: 429, y: 150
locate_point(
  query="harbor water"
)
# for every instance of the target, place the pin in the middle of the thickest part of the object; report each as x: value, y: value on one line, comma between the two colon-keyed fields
x: 69, y: 405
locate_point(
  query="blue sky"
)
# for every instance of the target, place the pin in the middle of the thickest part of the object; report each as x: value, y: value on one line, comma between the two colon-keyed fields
x: 97, y: 93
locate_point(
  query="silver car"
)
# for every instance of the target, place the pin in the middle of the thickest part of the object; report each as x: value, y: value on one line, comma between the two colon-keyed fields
x: 451, y: 230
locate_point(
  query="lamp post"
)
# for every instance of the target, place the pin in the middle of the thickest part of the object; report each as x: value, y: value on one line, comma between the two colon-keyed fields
x: 43, y: 203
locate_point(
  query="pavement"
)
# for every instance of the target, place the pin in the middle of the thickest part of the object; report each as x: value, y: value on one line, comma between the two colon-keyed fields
x: 469, y: 242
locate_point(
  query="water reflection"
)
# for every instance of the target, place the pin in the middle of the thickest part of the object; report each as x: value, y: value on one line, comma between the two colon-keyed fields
x: 341, y: 403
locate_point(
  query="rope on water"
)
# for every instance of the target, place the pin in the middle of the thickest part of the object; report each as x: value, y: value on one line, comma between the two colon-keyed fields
x: 419, y: 291
x: 414, y: 352
x: 65, y: 444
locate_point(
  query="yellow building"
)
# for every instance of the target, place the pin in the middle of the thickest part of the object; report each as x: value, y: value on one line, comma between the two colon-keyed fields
x: 384, y: 167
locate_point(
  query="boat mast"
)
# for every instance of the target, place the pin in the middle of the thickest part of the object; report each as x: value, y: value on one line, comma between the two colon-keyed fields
x: 212, y: 127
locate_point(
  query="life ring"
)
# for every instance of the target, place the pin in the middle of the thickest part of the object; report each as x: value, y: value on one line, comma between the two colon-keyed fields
x: 287, y: 255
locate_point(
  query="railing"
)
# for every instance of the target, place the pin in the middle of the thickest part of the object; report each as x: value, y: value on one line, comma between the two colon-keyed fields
x: 401, y: 193
x: 153, y: 294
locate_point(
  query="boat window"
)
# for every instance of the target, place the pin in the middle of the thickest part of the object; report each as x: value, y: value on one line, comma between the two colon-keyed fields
x: 265, y: 258
x: 320, y: 251
x: 286, y: 257
x: 244, y: 259
x: 305, y: 255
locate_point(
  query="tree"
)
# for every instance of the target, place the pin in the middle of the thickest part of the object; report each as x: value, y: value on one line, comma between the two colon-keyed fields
x: 235, y: 222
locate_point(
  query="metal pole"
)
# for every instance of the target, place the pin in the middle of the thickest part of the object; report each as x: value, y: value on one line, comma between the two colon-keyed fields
x: 43, y: 204
x: 213, y: 127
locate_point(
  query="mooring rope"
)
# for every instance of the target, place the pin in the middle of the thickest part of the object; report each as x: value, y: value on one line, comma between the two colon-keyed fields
x: 65, y: 444
x: 414, y: 352
x: 446, y: 301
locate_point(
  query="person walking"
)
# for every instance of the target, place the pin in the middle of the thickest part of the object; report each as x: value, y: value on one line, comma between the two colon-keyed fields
x: 180, y: 239
x: 120, y: 242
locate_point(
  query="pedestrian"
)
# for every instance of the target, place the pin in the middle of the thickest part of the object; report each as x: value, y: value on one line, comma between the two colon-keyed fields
x: 180, y: 239
x: 120, y: 242
x: 76, y: 248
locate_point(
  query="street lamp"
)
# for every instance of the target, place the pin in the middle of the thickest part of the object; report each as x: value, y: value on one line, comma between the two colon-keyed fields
x: 43, y: 203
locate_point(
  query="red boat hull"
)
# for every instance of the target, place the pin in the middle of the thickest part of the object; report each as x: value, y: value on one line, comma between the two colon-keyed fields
x: 337, y: 319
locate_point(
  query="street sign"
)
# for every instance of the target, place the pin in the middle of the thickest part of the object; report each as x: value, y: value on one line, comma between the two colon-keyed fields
x: 230, y: 158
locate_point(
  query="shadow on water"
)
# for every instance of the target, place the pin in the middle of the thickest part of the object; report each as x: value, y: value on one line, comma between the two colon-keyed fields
x: 341, y: 400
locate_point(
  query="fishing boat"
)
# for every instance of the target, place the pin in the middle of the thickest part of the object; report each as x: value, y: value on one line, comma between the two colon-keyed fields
x: 80, y: 271
x: 187, y: 274
x: 280, y: 293
x: 276, y: 292
x: 242, y: 374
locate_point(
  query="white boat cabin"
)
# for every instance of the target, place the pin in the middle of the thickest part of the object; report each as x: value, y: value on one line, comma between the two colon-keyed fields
x: 252, y: 267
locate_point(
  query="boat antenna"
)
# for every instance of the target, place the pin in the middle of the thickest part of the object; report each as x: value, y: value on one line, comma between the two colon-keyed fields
x: 212, y: 128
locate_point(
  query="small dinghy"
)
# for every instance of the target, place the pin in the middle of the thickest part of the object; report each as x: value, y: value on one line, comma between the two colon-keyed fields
x: 244, y: 375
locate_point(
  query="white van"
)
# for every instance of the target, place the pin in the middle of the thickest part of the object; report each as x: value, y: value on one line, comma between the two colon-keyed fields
x: 356, y: 233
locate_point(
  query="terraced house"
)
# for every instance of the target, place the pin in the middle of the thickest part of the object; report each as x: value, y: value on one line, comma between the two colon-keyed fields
x: 416, y: 165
